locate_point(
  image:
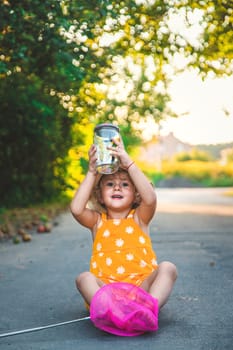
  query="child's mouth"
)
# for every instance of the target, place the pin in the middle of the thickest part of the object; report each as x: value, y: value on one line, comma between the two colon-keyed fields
x: 117, y: 196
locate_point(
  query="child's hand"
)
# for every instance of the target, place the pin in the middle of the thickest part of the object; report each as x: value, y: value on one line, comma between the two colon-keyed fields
x: 120, y: 152
x: 92, y: 159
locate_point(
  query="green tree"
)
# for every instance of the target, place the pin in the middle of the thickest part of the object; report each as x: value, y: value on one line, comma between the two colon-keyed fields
x: 38, y: 74
x: 61, y: 61
x: 147, y: 36
x: 214, y: 51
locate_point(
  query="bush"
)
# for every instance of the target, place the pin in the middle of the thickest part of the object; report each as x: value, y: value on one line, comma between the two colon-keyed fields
x: 206, y: 173
x: 230, y: 156
x: 198, y: 172
x: 195, y: 154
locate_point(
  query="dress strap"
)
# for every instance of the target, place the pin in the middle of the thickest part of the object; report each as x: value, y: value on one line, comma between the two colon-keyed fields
x: 130, y: 215
x: 103, y: 216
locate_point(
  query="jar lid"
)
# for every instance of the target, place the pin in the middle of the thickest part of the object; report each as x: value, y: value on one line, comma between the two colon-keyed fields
x: 106, y: 125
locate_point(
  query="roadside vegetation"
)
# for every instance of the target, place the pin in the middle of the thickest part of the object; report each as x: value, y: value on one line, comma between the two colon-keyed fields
x: 197, y: 168
x: 66, y: 66
x: 199, y: 174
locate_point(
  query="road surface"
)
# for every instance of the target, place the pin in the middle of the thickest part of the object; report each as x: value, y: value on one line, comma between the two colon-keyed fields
x: 192, y: 228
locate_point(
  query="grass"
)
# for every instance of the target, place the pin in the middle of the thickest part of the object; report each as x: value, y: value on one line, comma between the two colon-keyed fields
x: 208, y: 174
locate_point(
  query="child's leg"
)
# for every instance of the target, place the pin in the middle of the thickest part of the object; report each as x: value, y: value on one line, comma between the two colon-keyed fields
x: 160, y: 283
x: 88, y: 285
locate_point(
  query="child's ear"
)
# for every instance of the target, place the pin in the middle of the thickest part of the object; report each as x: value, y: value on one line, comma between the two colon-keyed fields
x: 99, y: 196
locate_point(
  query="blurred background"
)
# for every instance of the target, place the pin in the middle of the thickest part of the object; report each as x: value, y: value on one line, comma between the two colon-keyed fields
x: 160, y: 70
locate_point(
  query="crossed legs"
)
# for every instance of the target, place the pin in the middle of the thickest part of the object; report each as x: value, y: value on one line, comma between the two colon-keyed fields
x: 88, y: 285
x: 159, y: 284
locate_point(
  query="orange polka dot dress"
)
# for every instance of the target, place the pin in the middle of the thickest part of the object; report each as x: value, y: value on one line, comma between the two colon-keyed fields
x: 122, y: 252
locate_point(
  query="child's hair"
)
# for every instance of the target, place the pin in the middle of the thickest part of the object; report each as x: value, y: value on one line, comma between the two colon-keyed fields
x: 94, y: 201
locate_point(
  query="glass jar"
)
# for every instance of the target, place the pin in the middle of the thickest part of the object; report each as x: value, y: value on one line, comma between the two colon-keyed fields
x: 103, y: 138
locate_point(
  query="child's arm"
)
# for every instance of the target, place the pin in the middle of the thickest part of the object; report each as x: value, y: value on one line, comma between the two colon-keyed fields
x: 148, y: 203
x: 147, y: 207
x: 82, y: 214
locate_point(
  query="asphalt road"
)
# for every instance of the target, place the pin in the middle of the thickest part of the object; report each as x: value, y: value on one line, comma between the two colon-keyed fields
x: 192, y: 228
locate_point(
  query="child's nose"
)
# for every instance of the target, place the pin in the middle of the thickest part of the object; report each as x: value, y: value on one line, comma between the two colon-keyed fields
x: 117, y: 185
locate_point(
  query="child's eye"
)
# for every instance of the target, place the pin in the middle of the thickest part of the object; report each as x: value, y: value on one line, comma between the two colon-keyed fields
x: 110, y: 184
x: 125, y: 184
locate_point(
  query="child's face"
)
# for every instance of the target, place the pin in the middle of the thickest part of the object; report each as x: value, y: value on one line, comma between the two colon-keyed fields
x: 117, y: 191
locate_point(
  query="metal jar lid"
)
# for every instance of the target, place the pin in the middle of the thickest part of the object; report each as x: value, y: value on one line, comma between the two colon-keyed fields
x: 106, y: 125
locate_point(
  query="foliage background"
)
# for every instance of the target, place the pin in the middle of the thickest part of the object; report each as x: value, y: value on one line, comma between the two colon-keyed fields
x: 63, y: 67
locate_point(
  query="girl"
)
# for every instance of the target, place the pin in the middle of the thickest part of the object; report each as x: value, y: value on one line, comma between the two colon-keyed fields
x: 122, y: 249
